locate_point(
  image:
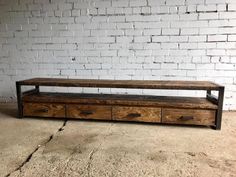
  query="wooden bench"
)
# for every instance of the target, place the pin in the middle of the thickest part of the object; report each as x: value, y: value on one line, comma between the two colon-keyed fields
x: 159, y: 109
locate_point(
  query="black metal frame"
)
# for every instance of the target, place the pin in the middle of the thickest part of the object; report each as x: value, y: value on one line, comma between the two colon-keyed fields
x: 19, y: 100
x: 20, y: 95
x: 220, y: 108
x: 219, y: 101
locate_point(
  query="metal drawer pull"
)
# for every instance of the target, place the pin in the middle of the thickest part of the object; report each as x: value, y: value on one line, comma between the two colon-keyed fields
x: 42, y: 110
x: 133, y: 115
x: 86, y: 113
x: 185, y: 118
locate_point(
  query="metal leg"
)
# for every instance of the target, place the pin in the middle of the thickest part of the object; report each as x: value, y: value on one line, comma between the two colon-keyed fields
x: 19, y: 100
x: 37, y: 88
x: 208, y: 92
x: 220, y: 108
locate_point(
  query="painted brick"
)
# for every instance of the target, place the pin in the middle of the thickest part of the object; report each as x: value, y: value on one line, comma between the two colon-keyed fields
x: 207, y: 8
x: 121, y: 3
x: 159, y: 9
x: 206, y: 16
x: 216, y: 52
x: 225, y: 66
x: 160, y: 38
x: 197, y: 38
x: 215, y: 38
x: 190, y: 2
x: 169, y: 31
x: 231, y: 37
x: 189, y: 31
x: 138, y: 3
x: 227, y: 15
x: 188, y: 17
x: 187, y: 66
x: 175, y: 2
x: 169, y: 45
x: 232, y: 7
x: 143, y: 39
x: 156, y: 3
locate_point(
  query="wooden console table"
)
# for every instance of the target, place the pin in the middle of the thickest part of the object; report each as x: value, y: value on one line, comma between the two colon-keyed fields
x: 158, y: 109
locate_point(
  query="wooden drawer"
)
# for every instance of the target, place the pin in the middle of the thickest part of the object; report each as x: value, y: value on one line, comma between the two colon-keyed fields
x: 88, y: 112
x: 44, y: 110
x: 143, y: 114
x: 188, y: 116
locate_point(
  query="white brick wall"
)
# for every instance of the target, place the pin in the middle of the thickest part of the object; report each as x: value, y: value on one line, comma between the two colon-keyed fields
x: 119, y: 39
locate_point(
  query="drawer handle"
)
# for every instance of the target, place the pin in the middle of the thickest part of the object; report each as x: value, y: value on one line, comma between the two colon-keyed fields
x: 86, y: 113
x: 133, y: 115
x: 42, y: 110
x: 185, y: 118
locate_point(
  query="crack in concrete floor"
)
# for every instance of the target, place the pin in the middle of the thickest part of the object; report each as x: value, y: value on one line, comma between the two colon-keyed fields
x: 90, y: 158
x: 89, y: 164
x: 91, y: 154
x: 27, y: 160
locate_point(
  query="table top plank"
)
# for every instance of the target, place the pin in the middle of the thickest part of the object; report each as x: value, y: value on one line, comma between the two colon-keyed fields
x: 138, y: 84
x: 117, y: 99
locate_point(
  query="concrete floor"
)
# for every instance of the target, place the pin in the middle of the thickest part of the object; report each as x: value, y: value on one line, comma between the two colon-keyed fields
x: 44, y: 147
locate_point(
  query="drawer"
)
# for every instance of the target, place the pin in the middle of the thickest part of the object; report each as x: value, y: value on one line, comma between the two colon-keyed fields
x: 88, y: 112
x: 44, y: 110
x: 188, y: 116
x: 142, y: 114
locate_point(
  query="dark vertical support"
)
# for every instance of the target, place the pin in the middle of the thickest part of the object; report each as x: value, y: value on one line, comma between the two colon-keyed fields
x: 209, y: 92
x: 19, y: 100
x: 220, y: 108
x: 37, y: 88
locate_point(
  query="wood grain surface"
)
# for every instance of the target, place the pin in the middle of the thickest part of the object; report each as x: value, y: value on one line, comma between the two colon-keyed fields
x: 44, y: 110
x: 142, y: 114
x: 188, y: 116
x: 123, y: 100
x: 88, y: 112
x: 140, y: 84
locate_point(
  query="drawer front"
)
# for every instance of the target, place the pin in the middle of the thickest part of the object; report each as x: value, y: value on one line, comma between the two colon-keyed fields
x: 89, y: 112
x: 44, y: 110
x: 142, y: 114
x: 189, y: 116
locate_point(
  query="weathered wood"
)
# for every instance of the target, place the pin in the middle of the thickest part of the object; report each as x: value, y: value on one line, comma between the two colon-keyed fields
x: 29, y: 92
x: 188, y: 116
x: 140, y: 84
x: 125, y: 100
x: 44, y: 110
x: 88, y: 111
x: 142, y: 114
